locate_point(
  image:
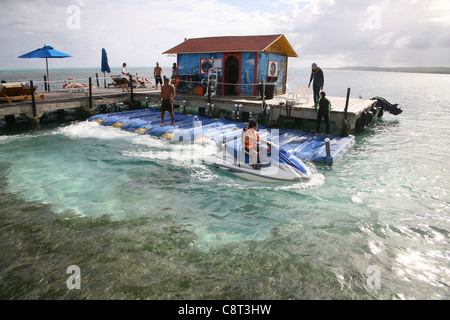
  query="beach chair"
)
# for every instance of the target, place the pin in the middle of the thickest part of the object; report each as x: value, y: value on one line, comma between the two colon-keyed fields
x: 303, y: 94
x: 290, y: 91
x: 118, y: 81
x: 27, y: 92
x: 135, y: 83
x: 77, y: 87
x: 11, y: 91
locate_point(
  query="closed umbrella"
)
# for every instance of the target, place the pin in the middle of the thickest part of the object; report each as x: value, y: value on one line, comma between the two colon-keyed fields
x: 45, y: 52
x: 105, y: 65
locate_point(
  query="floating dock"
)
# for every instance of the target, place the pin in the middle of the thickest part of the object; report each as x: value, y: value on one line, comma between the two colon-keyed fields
x: 357, y: 114
x: 188, y: 127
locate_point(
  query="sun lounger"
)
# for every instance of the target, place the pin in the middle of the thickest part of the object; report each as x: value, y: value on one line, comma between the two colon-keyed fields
x: 121, y: 82
x: 76, y: 87
x: 27, y: 92
x: 118, y: 81
x: 11, y: 91
x: 14, y: 91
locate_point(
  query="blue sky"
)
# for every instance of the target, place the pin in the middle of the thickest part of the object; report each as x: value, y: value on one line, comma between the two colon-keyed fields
x: 334, y: 33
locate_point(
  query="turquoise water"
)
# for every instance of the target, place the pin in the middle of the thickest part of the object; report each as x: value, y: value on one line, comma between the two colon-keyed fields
x: 144, y: 219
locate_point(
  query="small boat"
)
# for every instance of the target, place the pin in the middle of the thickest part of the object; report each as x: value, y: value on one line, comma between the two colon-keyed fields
x: 275, y: 165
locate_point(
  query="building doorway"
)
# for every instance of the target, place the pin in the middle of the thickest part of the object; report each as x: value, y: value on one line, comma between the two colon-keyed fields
x: 231, y: 75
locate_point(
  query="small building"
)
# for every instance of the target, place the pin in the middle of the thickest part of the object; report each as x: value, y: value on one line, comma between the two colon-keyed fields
x: 241, y: 62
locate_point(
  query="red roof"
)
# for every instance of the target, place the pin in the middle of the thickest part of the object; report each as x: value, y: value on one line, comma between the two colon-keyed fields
x: 235, y: 44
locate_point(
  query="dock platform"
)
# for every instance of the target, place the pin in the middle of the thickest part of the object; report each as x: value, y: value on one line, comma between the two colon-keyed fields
x: 280, y: 105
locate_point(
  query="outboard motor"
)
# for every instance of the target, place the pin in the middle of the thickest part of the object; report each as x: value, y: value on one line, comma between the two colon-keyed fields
x: 387, y: 106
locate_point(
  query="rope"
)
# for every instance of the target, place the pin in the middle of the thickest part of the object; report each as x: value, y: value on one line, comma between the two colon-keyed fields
x: 94, y: 79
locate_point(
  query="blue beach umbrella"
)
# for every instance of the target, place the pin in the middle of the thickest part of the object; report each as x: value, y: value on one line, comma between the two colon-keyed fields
x: 45, y: 52
x: 105, y: 66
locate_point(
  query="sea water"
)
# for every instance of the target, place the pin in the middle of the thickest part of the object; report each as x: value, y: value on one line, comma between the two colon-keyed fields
x: 144, y: 219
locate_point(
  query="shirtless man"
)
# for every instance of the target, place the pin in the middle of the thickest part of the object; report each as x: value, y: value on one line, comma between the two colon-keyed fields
x: 157, y: 73
x: 167, y: 95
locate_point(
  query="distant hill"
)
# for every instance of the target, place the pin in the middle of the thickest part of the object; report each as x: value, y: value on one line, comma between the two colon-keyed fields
x: 437, y: 70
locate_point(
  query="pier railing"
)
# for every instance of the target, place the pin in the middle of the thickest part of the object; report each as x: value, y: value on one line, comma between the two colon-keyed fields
x: 192, y: 84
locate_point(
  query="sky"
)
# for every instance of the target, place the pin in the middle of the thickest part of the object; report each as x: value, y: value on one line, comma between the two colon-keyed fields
x: 332, y: 33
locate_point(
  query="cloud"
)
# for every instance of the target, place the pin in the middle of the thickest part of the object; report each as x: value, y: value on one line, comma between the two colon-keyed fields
x: 389, y: 33
x: 331, y: 32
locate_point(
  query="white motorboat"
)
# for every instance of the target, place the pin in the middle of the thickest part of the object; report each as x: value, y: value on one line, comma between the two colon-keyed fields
x: 274, y: 165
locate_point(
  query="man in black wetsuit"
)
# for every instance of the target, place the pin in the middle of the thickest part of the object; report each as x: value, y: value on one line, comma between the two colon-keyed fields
x: 317, y: 75
x: 323, y: 109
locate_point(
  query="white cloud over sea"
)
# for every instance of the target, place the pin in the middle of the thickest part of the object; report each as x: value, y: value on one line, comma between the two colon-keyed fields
x: 334, y: 33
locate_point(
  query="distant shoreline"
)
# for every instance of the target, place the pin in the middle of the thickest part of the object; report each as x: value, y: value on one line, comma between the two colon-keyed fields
x: 423, y: 70
x: 433, y: 70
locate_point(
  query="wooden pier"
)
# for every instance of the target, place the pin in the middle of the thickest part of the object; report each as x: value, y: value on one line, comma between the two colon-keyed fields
x: 281, y: 106
x: 60, y: 100
x: 345, y: 119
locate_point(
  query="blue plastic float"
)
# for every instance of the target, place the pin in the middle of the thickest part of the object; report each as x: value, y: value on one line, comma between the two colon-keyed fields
x: 303, y: 145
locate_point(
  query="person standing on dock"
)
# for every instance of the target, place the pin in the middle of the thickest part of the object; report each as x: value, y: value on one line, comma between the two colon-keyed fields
x: 323, y: 109
x: 317, y: 75
x: 174, y: 72
x: 167, y: 95
x: 124, y: 75
x: 157, y: 73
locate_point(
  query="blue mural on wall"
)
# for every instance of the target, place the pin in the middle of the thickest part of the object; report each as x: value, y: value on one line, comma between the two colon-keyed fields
x: 189, y: 70
x: 248, y: 73
x: 191, y: 75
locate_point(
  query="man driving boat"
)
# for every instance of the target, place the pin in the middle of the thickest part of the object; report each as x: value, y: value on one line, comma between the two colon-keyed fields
x: 250, y: 139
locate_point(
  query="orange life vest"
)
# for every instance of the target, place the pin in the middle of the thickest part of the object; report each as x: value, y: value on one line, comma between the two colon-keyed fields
x: 251, y: 143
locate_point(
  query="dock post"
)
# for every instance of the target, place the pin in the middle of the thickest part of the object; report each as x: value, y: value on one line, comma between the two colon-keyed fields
x: 90, y: 93
x: 263, y: 90
x: 45, y: 84
x: 268, y: 116
x: 212, y: 110
x: 98, y: 83
x: 33, y: 101
x: 131, y: 90
x: 345, y: 127
x: 146, y: 102
x: 327, y: 147
x: 208, y: 110
x: 35, y: 120
x: 240, y: 113
x: 184, y: 106
x: 235, y: 112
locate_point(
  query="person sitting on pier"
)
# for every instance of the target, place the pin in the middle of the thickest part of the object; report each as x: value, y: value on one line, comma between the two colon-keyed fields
x: 323, y: 109
x: 167, y: 95
x: 125, y: 78
x: 250, y: 141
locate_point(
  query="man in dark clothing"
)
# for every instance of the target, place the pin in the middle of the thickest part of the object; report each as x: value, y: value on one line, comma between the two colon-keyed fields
x: 167, y: 94
x: 323, y: 109
x: 319, y: 81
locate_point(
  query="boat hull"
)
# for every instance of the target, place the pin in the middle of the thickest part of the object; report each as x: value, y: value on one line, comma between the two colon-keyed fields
x: 267, y: 172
